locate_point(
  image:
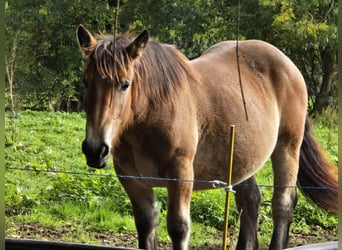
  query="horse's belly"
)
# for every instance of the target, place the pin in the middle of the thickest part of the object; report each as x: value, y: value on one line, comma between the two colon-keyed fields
x: 251, y: 151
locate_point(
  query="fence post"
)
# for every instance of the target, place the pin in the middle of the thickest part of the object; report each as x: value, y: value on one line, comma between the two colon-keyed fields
x: 229, y: 188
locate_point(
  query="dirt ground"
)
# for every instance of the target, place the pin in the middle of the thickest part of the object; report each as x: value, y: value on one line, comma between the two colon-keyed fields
x: 129, y: 240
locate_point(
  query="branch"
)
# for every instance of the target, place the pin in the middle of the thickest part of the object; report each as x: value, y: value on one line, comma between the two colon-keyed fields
x: 11, y: 60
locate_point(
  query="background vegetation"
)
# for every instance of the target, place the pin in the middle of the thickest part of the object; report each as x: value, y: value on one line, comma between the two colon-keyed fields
x: 43, y: 63
x: 43, y: 73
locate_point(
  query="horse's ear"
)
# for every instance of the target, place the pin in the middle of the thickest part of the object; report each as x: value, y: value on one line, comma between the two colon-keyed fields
x: 135, y: 49
x: 85, y: 39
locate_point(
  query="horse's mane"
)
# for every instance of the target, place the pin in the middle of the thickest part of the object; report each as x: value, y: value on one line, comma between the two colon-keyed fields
x: 160, y: 72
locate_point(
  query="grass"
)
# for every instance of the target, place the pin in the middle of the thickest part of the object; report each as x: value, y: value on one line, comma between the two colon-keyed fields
x: 95, y: 209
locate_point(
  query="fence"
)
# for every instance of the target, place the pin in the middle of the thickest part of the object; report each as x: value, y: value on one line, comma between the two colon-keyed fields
x: 213, y: 183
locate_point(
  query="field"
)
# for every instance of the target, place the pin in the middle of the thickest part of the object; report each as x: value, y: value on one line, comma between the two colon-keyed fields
x: 61, y: 199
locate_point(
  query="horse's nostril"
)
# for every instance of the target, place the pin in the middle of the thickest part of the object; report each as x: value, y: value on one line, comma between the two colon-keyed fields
x: 96, y: 152
x: 104, y: 151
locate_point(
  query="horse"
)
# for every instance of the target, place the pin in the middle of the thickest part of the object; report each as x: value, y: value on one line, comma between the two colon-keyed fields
x: 161, y: 115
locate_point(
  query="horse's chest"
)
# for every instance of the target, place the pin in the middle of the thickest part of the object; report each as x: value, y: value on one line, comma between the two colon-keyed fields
x: 145, y: 165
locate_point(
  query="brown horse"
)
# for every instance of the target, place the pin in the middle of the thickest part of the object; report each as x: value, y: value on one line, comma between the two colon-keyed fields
x: 162, y: 115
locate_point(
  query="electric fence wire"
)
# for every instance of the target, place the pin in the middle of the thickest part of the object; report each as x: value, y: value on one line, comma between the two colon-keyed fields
x: 213, y: 183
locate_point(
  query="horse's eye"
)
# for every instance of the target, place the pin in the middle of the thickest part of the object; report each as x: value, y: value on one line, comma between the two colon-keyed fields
x: 125, y: 85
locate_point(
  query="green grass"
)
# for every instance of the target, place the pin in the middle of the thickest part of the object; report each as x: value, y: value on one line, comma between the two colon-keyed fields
x: 85, y: 207
x: 45, y: 140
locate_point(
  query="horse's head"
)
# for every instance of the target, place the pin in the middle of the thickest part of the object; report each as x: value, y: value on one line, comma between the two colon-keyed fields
x: 108, y: 78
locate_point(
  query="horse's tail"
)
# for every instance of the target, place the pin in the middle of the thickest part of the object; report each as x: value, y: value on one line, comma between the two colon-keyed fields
x: 317, y: 176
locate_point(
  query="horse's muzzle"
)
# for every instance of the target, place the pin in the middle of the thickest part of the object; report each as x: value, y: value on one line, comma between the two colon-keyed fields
x: 97, y: 157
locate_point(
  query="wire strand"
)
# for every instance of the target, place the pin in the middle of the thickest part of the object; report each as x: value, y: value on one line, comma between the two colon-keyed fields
x: 214, y: 183
x: 238, y: 60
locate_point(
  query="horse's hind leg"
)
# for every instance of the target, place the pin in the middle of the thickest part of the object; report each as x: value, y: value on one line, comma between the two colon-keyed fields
x: 285, y: 163
x: 248, y: 200
x: 142, y: 200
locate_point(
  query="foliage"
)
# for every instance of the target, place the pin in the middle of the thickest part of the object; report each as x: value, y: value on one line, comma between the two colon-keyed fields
x: 307, y: 32
x: 48, y: 62
x: 325, y: 127
x: 170, y: 22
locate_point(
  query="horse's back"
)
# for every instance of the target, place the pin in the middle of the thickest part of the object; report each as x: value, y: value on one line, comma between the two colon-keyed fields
x: 265, y: 71
x: 261, y: 59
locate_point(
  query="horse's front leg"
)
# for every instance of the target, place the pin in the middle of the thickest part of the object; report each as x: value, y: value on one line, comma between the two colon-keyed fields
x: 145, y: 214
x: 178, y: 216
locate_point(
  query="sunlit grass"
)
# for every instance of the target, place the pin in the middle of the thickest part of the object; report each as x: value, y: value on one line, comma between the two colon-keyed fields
x: 86, y: 206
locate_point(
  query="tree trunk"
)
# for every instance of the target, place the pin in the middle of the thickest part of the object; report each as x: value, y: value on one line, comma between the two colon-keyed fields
x: 11, y: 65
x: 328, y: 58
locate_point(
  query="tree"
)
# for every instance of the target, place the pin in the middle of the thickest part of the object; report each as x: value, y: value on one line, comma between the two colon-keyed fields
x: 11, y: 63
x: 307, y: 32
x: 192, y: 26
x: 50, y: 75
x: 48, y: 71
